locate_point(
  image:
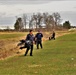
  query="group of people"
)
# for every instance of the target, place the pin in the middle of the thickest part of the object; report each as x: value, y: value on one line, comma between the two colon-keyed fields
x: 31, y: 40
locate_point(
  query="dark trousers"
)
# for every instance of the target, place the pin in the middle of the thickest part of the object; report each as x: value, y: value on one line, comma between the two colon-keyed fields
x: 51, y: 38
x: 39, y: 43
x: 31, y: 50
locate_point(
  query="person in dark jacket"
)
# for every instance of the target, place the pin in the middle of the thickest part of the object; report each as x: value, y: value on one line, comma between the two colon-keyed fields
x: 30, y: 40
x: 38, y: 38
x: 53, y: 36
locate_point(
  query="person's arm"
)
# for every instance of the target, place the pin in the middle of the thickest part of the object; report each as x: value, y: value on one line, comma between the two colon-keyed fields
x: 35, y: 37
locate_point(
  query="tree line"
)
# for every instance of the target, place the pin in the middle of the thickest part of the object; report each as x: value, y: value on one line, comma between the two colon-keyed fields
x: 40, y: 20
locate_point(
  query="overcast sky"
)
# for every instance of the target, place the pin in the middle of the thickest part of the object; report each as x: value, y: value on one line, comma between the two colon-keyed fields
x: 9, y: 9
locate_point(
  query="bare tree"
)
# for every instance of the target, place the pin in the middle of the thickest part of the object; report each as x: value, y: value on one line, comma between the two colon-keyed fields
x: 50, y: 22
x: 45, y: 17
x: 31, y: 23
x: 39, y: 19
x: 57, y: 18
x: 35, y: 19
x: 24, y: 20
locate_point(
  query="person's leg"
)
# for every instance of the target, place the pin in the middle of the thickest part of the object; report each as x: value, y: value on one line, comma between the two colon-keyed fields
x: 54, y: 38
x: 27, y: 51
x: 22, y: 47
x: 49, y: 38
x: 31, y: 50
x: 40, y: 44
x: 37, y: 45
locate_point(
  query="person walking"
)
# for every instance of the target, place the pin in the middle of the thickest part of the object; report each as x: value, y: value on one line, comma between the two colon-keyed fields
x: 38, y: 38
x: 30, y: 40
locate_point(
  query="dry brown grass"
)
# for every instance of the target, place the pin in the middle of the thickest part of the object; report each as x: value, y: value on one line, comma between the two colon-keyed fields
x: 9, y: 47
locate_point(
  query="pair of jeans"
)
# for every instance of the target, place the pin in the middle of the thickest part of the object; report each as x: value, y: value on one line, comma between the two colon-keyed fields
x: 29, y: 48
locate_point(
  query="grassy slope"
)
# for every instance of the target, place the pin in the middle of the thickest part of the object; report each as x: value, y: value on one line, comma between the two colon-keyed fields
x: 56, y: 58
x: 8, y: 43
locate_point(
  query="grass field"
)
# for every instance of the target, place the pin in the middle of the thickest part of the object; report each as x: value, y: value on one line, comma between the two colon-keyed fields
x: 10, y: 35
x: 58, y: 57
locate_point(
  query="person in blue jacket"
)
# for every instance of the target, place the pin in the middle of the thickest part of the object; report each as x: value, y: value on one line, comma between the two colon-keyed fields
x: 38, y: 38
